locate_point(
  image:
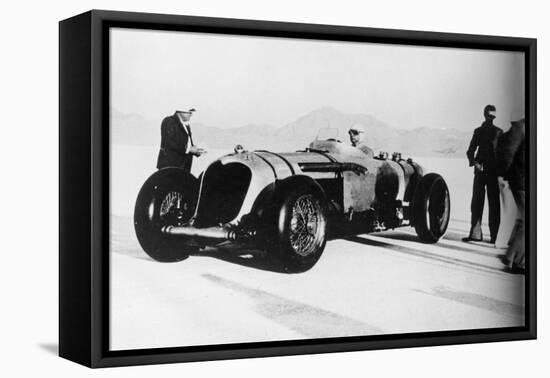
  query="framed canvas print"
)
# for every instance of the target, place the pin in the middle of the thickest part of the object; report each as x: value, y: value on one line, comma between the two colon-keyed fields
x: 234, y: 188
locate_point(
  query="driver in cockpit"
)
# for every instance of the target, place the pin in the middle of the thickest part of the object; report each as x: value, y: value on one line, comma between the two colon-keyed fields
x: 355, y: 137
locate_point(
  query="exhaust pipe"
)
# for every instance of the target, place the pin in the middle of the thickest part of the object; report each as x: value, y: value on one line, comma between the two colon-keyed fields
x: 212, y: 234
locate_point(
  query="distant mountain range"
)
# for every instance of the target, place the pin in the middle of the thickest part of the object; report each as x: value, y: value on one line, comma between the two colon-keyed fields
x: 133, y: 129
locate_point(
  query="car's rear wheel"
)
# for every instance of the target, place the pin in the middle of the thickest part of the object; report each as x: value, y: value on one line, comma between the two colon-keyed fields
x: 167, y: 198
x: 431, y: 208
x: 301, y: 228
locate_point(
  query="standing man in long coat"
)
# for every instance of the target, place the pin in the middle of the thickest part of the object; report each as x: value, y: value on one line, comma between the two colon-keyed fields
x: 511, y: 169
x: 482, y: 156
x: 176, y: 146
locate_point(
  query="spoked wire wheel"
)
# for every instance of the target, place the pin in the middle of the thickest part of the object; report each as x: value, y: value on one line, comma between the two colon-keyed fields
x: 172, y: 200
x: 174, y: 209
x: 301, y: 231
x: 305, y: 225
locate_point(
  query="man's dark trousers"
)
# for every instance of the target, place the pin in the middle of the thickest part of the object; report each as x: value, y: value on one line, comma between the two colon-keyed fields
x: 485, y: 183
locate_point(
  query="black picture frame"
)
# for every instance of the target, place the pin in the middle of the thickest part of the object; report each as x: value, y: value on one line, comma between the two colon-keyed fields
x: 84, y: 187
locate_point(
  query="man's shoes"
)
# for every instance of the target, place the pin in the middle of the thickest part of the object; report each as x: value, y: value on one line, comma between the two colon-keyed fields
x: 469, y: 239
x: 505, y: 260
x: 517, y: 269
x: 511, y: 267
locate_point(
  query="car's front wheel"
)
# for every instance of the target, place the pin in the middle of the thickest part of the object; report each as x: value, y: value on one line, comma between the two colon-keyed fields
x: 167, y: 198
x: 301, y: 225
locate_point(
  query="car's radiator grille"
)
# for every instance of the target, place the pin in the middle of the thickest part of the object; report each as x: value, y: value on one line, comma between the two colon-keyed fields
x: 223, y: 190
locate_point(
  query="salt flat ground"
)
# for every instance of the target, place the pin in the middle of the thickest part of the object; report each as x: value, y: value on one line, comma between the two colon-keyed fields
x: 379, y: 283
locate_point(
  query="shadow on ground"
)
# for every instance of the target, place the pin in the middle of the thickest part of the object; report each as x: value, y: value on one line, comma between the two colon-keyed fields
x: 427, y: 255
x: 302, y: 318
x: 476, y: 300
x: 414, y: 239
x: 248, y: 258
x: 51, y: 348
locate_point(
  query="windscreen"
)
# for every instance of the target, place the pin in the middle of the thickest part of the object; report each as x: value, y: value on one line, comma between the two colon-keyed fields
x: 327, y: 133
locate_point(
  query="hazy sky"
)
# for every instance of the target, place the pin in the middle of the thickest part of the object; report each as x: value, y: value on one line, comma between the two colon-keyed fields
x: 237, y: 80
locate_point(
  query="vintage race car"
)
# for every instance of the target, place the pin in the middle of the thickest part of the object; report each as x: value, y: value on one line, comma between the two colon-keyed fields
x: 288, y: 204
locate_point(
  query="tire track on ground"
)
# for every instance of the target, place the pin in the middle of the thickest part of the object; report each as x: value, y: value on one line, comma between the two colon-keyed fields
x: 307, y: 320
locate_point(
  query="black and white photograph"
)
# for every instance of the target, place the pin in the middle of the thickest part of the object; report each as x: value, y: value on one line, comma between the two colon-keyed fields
x: 272, y: 189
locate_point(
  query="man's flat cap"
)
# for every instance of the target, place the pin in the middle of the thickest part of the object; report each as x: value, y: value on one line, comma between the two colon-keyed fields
x: 489, y: 108
x: 187, y: 111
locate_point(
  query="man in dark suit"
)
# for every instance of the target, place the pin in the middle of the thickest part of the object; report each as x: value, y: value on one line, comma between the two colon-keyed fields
x: 511, y: 171
x: 482, y: 156
x: 176, y: 145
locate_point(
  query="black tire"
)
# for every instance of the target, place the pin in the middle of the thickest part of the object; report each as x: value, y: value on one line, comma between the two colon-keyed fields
x: 168, y: 197
x: 431, y: 208
x: 299, y: 206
